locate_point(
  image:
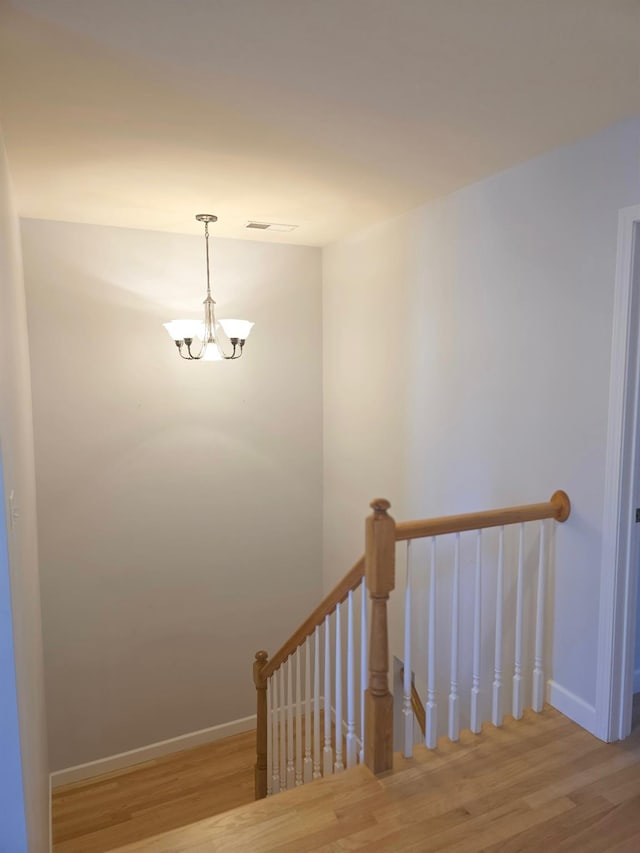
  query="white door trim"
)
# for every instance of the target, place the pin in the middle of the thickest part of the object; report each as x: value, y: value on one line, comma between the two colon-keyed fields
x: 616, y: 633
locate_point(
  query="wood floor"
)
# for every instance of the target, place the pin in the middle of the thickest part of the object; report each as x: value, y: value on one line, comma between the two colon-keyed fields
x: 132, y: 804
x: 540, y: 784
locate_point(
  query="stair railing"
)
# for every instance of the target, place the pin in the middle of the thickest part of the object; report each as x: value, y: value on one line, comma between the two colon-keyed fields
x: 299, y: 730
x: 295, y: 688
x: 485, y: 698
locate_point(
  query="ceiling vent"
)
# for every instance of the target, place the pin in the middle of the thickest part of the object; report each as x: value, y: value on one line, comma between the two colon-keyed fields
x: 270, y: 226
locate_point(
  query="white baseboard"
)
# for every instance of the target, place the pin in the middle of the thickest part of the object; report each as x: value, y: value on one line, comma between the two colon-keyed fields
x: 572, y: 706
x: 153, y: 750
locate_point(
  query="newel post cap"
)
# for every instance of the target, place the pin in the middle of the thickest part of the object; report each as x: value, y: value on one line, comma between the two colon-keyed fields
x: 380, y: 549
x: 380, y: 506
x: 258, y: 665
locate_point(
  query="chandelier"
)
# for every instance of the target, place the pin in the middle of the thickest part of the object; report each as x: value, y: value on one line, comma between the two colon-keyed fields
x: 208, y: 347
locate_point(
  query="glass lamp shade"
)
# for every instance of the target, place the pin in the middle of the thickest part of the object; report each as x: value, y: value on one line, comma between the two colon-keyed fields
x: 178, y: 330
x: 211, y: 352
x: 236, y: 328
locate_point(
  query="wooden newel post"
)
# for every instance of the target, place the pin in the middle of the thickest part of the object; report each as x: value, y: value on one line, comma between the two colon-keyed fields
x: 380, y: 553
x: 262, y: 722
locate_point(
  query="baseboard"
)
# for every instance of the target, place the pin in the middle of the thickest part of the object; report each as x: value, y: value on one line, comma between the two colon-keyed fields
x: 153, y: 750
x: 572, y: 706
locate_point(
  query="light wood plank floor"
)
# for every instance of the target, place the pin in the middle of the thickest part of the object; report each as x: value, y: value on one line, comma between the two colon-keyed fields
x: 540, y: 784
x: 138, y: 802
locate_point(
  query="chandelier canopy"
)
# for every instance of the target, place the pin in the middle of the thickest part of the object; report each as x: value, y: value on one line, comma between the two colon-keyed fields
x: 208, y: 347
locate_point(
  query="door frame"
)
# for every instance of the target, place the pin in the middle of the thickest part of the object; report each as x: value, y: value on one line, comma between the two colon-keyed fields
x: 618, y: 588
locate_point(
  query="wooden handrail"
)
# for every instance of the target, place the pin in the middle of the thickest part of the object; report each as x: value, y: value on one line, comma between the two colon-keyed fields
x: 337, y: 595
x: 558, y: 507
x: 418, y: 708
x: 416, y: 705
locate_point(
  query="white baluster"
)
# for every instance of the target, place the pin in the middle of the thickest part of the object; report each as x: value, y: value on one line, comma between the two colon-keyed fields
x: 454, y: 699
x: 476, y: 722
x: 407, y: 710
x: 517, y: 675
x: 363, y: 661
x: 275, y: 770
x: 269, y: 736
x: 327, y: 752
x: 298, y: 720
x: 316, y: 705
x: 339, y: 764
x: 291, y: 770
x: 496, y: 714
x: 308, y: 763
x: 352, y: 746
x: 538, y: 674
x: 283, y: 732
x: 431, y: 727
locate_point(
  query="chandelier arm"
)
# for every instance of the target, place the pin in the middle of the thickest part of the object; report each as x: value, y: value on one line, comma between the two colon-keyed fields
x: 191, y: 356
x: 188, y: 357
x: 219, y: 345
x: 235, y: 354
x: 180, y: 345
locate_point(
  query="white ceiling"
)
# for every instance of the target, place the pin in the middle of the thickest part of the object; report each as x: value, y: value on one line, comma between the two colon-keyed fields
x: 330, y: 114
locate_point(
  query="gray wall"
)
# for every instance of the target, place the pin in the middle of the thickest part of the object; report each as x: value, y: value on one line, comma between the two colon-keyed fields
x: 466, y: 365
x: 179, y: 503
x: 24, y: 790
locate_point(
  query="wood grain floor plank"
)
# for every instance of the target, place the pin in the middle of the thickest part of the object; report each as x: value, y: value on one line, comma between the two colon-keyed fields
x: 541, y: 784
x: 97, y: 815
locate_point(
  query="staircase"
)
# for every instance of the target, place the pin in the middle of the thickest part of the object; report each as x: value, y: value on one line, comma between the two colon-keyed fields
x: 527, y: 780
x: 455, y: 588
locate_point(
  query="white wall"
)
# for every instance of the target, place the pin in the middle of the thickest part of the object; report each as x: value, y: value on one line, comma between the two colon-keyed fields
x: 466, y: 365
x: 24, y: 778
x: 179, y: 503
